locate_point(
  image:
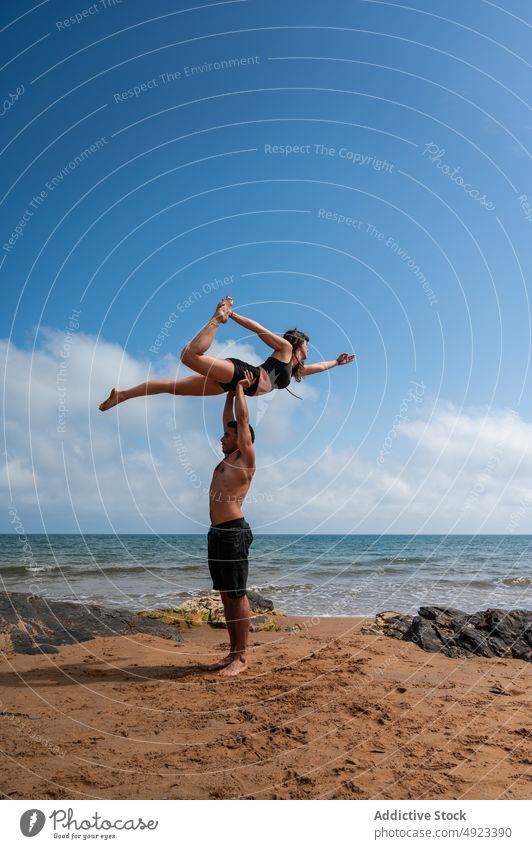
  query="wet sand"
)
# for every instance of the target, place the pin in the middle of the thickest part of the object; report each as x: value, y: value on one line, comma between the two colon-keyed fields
x: 323, y: 712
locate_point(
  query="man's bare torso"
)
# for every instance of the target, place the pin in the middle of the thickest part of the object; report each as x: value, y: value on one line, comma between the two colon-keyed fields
x: 229, y: 487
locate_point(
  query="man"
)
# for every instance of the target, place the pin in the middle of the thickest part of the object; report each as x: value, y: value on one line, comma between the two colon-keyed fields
x: 230, y: 535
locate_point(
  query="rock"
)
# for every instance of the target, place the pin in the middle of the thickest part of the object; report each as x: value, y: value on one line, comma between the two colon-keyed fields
x: 217, y: 617
x: 389, y: 622
x: 488, y: 633
x: 208, y: 607
x: 258, y: 603
x: 263, y: 622
x: 35, y: 625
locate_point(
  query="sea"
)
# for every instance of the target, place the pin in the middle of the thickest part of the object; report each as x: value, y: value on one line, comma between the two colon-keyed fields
x: 313, y: 575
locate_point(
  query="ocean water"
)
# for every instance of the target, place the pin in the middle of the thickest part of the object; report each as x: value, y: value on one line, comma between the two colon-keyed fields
x: 304, y: 575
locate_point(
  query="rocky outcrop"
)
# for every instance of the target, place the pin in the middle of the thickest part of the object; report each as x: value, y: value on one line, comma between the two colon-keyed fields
x: 258, y: 603
x: 489, y: 633
x: 208, y: 607
x: 31, y: 624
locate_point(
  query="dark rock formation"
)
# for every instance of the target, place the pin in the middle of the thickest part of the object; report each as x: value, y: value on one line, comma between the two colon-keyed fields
x: 35, y: 624
x: 258, y: 603
x: 489, y: 633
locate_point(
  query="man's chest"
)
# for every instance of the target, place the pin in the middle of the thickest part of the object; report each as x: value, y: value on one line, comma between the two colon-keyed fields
x: 227, y: 470
x: 221, y: 469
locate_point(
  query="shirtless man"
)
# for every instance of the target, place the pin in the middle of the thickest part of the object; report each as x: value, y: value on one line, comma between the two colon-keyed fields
x: 230, y: 535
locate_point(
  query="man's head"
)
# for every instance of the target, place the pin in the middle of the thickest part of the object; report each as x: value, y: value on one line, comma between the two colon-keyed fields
x: 230, y: 438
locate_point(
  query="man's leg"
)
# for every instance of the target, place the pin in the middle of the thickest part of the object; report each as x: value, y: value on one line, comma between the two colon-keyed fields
x: 231, y: 627
x: 237, y: 616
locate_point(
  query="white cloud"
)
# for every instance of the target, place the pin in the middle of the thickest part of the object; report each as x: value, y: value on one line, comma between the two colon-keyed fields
x: 147, y: 465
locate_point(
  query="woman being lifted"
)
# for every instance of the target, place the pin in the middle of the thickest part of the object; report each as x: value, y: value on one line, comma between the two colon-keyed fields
x: 216, y: 376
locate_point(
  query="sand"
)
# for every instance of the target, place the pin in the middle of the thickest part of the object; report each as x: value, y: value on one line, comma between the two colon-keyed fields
x: 324, y: 712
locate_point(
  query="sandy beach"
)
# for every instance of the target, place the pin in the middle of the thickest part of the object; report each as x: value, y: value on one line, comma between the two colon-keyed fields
x: 322, y: 712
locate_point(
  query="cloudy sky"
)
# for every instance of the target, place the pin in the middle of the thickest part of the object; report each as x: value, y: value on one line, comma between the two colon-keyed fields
x: 360, y: 171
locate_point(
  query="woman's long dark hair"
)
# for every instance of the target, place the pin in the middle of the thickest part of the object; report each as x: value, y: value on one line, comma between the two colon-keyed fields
x: 296, y: 337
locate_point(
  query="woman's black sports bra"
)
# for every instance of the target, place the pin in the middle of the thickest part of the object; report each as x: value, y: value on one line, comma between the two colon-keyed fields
x: 279, y: 373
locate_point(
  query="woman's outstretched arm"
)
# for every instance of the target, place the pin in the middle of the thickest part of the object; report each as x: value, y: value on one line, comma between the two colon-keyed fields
x: 315, y: 368
x: 272, y: 339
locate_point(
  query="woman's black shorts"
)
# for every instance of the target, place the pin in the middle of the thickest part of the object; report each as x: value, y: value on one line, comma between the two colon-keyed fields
x: 228, y: 546
x: 238, y: 375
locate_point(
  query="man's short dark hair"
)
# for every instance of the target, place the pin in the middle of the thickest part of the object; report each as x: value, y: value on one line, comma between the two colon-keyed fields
x: 235, y: 425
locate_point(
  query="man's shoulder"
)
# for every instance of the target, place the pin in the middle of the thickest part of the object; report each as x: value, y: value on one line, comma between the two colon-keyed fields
x: 239, y: 461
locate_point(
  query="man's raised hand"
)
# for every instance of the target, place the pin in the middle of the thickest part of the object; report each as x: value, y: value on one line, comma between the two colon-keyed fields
x: 247, y: 380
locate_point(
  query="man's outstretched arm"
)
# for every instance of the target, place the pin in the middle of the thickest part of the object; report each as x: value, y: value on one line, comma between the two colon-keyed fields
x: 228, y: 415
x: 245, y: 444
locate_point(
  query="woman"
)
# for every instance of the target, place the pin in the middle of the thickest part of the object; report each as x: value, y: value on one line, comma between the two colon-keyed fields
x: 216, y: 376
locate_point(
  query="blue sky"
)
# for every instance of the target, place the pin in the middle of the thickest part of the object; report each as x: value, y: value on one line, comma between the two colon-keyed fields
x: 411, y: 122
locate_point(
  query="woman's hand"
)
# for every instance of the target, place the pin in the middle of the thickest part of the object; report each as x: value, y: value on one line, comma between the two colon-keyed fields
x: 344, y: 359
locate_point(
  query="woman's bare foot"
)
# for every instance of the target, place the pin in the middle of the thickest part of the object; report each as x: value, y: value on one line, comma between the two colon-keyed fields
x: 112, y: 401
x: 238, y: 665
x: 223, y: 309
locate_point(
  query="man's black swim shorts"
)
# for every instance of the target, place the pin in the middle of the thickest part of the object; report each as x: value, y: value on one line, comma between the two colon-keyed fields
x: 228, y: 546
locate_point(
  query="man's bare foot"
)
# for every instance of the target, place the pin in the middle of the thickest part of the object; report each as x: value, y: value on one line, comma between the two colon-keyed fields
x: 112, y: 401
x: 220, y: 664
x: 223, y: 309
x: 238, y: 665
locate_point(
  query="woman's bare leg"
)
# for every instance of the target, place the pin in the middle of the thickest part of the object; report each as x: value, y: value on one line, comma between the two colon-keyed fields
x: 195, y: 385
x: 193, y: 355
x: 203, y: 340
x: 210, y: 369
